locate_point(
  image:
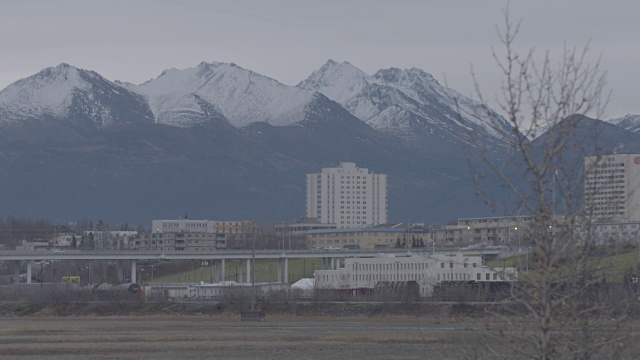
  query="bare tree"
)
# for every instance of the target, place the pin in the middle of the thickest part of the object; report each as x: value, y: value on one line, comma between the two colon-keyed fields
x: 563, y: 307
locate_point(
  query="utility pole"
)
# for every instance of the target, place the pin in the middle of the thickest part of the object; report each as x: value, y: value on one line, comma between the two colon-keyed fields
x: 253, y: 275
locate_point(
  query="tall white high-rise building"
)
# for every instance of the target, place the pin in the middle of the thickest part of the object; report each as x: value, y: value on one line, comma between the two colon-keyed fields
x: 612, y: 187
x: 347, y: 196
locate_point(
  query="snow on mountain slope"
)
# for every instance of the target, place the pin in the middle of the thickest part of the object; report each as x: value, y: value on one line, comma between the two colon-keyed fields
x: 628, y: 122
x: 339, y: 82
x: 403, y: 101
x: 50, y: 92
x: 66, y: 93
x: 241, y: 96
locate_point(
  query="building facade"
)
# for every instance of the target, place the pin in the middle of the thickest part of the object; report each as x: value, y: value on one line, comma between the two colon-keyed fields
x: 427, y: 271
x: 503, y: 230
x: 301, y: 227
x: 181, y: 241
x: 204, y: 226
x: 369, y: 238
x: 347, y: 196
x: 612, y: 187
x: 621, y: 232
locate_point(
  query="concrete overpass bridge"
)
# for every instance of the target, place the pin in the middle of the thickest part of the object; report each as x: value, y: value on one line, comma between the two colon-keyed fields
x: 331, y: 259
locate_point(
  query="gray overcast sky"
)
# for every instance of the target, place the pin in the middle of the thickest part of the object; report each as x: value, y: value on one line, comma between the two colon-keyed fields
x: 135, y: 40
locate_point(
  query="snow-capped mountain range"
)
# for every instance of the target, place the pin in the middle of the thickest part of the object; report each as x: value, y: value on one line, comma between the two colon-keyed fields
x: 403, y: 101
x: 217, y: 140
x: 628, y: 122
x: 406, y: 103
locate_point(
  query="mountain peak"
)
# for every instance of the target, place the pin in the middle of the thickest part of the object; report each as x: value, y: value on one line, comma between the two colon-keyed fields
x: 213, y: 64
x: 239, y: 95
x: 332, y: 64
x: 61, y: 72
x: 66, y: 93
x: 47, y: 92
x: 338, y: 81
x: 403, y: 77
x: 64, y: 66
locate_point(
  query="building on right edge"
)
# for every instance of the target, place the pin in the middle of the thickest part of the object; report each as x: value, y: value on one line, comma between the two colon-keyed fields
x: 612, y: 187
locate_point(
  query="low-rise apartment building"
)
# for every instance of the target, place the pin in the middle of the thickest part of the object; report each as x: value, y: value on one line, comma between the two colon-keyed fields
x: 181, y: 241
x: 615, y: 232
x: 504, y: 230
x: 204, y: 226
x: 301, y: 227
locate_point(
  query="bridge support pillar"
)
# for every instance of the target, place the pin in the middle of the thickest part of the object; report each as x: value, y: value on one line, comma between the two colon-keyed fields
x: 222, y: 265
x: 16, y: 271
x: 134, y: 277
x: 279, y: 270
x: 214, y: 270
x: 120, y: 271
x: 286, y: 270
x: 29, y: 264
x: 248, y: 270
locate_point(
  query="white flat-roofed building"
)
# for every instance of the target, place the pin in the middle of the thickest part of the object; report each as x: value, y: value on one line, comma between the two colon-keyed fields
x: 426, y: 270
x: 611, y: 189
x: 347, y: 196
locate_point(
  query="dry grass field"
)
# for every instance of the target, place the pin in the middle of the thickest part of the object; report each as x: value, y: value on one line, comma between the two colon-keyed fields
x: 225, y: 337
x: 163, y: 330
